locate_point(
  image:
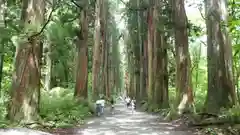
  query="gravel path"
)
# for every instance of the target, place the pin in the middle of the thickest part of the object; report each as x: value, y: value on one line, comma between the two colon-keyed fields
x: 124, y: 122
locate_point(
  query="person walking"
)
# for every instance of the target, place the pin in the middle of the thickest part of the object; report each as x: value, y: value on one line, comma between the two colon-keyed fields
x: 112, y: 102
x: 100, y: 104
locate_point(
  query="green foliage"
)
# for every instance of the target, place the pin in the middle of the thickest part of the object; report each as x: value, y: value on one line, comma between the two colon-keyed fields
x: 57, y: 109
x: 60, y: 109
x: 89, y: 85
x: 3, y: 110
x: 232, y: 113
x: 60, y: 37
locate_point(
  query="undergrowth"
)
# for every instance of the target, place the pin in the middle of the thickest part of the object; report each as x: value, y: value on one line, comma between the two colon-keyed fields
x: 58, y: 108
x: 3, y: 112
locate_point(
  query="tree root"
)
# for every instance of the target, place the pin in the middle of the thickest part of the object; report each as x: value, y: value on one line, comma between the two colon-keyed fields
x: 39, y: 125
x: 215, y: 122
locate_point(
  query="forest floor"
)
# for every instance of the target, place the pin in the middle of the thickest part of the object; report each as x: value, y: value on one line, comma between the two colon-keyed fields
x: 124, y: 122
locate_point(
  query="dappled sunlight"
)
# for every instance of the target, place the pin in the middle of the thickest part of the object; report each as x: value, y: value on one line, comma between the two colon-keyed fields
x: 183, y: 103
x: 22, y: 131
x: 170, y: 128
x: 90, y: 122
x: 126, y: 123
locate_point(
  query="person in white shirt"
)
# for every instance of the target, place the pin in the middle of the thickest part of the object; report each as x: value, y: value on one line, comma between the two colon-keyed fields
x: 100, y: 105
x: 133, y: 105
x: 128, y: 101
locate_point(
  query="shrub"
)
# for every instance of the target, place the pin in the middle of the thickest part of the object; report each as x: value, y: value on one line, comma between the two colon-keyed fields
x: 3, y: 110
x: 59, y: 108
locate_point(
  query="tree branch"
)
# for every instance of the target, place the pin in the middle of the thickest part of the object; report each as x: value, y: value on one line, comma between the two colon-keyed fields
x: 119, y: 37
x: 232, y: 8
x: 204, y: 18
x: 44, y: 26
x: 75, y: 3
x: 203, y: 43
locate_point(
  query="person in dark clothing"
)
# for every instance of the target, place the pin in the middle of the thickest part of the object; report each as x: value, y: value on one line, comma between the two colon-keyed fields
x: 112, y: 102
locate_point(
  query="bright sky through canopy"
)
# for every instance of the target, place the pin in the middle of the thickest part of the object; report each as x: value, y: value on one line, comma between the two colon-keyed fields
x: 193, y: 15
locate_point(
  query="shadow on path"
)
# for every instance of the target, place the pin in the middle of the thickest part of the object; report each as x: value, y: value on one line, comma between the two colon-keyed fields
x: 124, y: 122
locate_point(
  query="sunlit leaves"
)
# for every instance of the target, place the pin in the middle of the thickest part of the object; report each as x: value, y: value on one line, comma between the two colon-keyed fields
x: 234, y: 28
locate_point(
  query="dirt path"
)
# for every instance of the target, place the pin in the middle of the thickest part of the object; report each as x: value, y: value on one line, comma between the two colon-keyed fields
x: 123, y: 122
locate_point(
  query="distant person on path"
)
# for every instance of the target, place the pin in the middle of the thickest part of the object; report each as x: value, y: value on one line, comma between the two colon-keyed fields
x: 112, y: 102
x: 100, y: 106
x: 133, y: 104
x: 128, y: 101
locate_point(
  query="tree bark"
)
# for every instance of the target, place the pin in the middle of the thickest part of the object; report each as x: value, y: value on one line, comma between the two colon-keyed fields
x: 48, y: 76
x: 81, y: 88
x: 183, y: 75
x: 104, y: 16
x: 150, y: 53
x: 161, y: 84
x: 141, y: 51
x: 221, y: 92
x: 160, y: 60
x: 25, y: 90
x: 1, y: 64
x: 96, y: 49
x: 2, y: 26
x: 106, y: 70
x: 48, y: 59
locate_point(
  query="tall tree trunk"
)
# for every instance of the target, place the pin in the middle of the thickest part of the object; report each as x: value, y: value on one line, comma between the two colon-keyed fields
x: 81, y: 88
x: 2, y: 26
x: 25, y: 90
x: 112, y: 79
x: 48, y: 52
x: 183, y: 75
x: 106, y: 70
x: 160, y: 60
x: 197, y: 66
x: 144, y: 16
x: 110, y: 67
x: 103, y: 49
x: 104, y: 16
x: 96, y: 49
x: 145, y: 70
x: 137, y: 79
x: 155, y: 45
x: 150, y: 52
x: 126, y: 80
x: 141, y: 53
x: 64, y: 82
x: 221, y: 91
x: 48, y: 76
x: 161, y: 84
x: 1, y: 64
x: 131, y: 86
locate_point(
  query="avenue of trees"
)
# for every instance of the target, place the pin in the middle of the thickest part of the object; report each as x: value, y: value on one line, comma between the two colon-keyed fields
x: 58, y: 55
x: 52, y: 51
x: 166, y: 65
